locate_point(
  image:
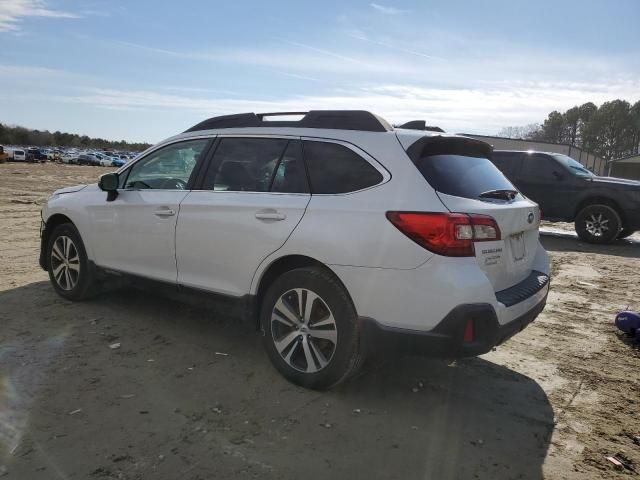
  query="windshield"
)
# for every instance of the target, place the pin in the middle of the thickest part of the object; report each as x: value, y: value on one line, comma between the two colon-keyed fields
x: 574, y: 166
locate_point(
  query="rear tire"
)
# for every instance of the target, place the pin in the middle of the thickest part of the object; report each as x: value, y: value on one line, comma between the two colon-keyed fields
x: 598, y: 224
x: 626, y: 232
x: 72, y: 275
x: 310, y: 328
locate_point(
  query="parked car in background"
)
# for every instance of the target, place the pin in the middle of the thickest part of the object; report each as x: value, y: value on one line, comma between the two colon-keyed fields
x: 106, y: 161
x: 42, y: 154
x: 4, y: 156
x: 69, y: 158
x: 247, y: 209
x: 32, y: 154
x: 88, y: 159
x: 118, y: 162
x: 602, y: 208
x: 18, y: 155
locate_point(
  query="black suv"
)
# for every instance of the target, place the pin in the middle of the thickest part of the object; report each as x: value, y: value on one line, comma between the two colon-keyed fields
x: 603, y: 208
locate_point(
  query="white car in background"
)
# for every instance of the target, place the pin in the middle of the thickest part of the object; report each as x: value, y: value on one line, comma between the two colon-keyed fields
x: 18, y: 155
x: 106, y: 161
x: 335, y: 234
x: 69, y: 158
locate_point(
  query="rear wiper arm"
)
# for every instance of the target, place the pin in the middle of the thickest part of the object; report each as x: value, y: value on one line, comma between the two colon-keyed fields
x: 500, y: 193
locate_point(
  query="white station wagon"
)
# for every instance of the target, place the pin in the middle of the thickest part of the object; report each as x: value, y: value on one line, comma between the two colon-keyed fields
x: 335, y: 233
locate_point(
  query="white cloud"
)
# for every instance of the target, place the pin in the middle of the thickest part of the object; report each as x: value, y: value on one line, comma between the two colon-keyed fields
x: 474, y: 110
x: 19, y: 72
x: 387, y: 10
x: 297, y: 57
x: 12, y: 12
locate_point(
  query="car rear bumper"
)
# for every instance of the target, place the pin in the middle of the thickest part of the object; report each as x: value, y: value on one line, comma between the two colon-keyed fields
x: 447, y: 339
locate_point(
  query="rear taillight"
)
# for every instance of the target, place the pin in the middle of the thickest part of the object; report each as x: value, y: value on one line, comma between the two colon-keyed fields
x: 449, y: 234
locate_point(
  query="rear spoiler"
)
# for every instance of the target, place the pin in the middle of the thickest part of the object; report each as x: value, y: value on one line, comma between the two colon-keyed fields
x: 448, y: 145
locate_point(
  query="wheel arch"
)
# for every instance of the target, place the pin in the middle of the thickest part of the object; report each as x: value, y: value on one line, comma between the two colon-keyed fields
x: 600, y: 200
x: 282, y: 265
x: 52, y: 222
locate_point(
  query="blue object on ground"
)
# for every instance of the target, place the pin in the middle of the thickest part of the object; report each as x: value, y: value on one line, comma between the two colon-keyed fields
x: 629, y: 322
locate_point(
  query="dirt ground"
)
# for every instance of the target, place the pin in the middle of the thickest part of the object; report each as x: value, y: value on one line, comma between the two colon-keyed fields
x: 190, y: 394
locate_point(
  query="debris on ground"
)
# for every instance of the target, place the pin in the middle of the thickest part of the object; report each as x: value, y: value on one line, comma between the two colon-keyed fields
x: 75, y: 411
x: 113, y: 346
x: 621, y: 462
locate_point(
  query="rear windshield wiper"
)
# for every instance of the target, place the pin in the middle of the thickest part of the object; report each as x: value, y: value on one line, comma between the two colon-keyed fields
x: 505, y: 194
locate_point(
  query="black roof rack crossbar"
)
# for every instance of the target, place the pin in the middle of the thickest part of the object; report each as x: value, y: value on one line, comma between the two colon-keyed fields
x: 330, y: 119
x: 420, y: 125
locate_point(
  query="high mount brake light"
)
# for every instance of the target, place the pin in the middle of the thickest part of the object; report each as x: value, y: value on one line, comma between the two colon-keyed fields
x: 448, y: 234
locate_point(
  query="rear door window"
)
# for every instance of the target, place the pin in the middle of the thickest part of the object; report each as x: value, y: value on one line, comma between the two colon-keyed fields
x: 244, y: 164
x: 289, y: 175
x: 257, y: 165
x: 539, y: 167
x: 462, y: 176
x: 334, y: 168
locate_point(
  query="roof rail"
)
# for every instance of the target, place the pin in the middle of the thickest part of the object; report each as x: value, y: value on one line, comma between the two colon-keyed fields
x: 330, y: 119
x: 420, y: 125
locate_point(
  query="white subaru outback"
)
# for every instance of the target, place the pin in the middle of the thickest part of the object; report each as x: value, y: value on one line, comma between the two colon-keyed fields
x: 335, y: 233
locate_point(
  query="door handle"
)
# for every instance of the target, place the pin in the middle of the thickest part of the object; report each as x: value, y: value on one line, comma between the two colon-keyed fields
x: 164, y: 212
x: 270, y: 216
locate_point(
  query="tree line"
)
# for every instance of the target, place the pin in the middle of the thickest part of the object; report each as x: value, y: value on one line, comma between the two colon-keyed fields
x: 610, y: 131
x: 14, y: 135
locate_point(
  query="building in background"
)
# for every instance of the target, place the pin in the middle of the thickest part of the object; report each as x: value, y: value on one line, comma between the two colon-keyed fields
x: 627, y: 167
x: 594, y: 163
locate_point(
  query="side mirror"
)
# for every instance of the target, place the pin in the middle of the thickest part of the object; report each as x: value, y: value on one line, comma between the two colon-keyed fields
x: 558, y: 175
x: 109, y: 183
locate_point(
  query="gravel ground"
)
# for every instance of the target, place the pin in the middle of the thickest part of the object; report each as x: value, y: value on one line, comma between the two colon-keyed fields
x: 190, y: 393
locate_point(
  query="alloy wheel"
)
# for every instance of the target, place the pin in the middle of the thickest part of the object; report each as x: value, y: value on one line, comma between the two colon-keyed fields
x: 65, y: 263
x: 304, y: 330
x: 597, y: 224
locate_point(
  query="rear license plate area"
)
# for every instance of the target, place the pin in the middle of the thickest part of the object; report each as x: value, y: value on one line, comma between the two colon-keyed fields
x: 518, y: 246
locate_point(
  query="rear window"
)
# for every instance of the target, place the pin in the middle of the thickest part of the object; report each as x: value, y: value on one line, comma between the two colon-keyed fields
x: 334, y: 168
x: 462, y: 176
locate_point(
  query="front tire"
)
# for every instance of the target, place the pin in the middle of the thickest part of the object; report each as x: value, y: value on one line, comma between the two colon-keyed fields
x: 70, y: 272
x: 310, y: 328
x: 598, y: 224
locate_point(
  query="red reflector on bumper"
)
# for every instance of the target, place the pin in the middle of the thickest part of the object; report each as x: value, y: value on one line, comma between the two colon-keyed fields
x: 468, y: 331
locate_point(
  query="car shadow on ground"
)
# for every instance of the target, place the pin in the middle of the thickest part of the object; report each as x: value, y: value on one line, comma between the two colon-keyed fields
x: 188, y: 394
x: 632, y: 341
x: 569, y: 242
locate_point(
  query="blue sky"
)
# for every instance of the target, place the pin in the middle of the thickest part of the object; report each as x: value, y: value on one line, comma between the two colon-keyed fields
x: 142, y: 70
